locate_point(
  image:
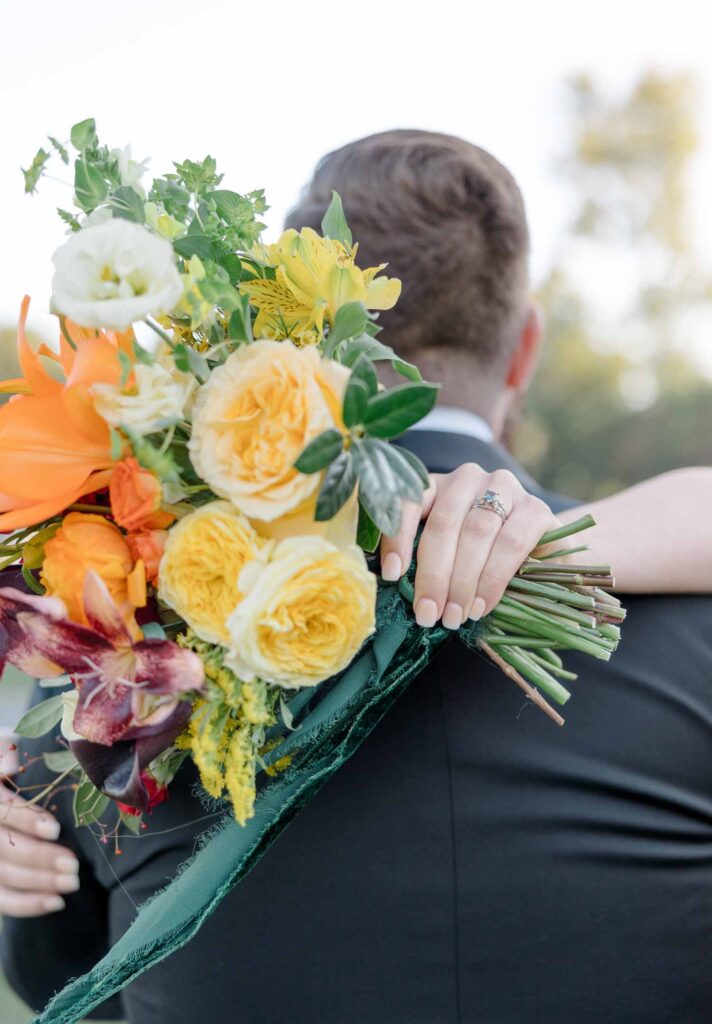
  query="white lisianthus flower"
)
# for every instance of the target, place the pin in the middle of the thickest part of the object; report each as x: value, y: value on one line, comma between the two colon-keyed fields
x: 130, y: 171
x: 114, y: 274
x: 156, y: 400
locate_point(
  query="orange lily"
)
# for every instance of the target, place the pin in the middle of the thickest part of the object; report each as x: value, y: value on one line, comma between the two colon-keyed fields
x: 54, y: 446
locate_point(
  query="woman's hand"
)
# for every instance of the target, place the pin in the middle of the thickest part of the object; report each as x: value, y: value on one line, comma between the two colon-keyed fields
x: 34, y: 868
x: 466, y: 555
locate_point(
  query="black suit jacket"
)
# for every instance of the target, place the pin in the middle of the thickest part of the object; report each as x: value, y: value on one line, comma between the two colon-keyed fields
x: 471, y: 863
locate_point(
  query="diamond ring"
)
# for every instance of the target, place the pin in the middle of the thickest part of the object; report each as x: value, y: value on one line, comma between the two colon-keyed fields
x: 491, y: 501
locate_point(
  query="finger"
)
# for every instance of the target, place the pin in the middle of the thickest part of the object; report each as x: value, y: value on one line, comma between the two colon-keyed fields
x: 529, y: 519
x: 397, y: 551
x: 17, y: 876
x: 20, y: 904
x: 16, y: 848
x: 17, y: 814
x: 477, y: 536
x: 439, y: 540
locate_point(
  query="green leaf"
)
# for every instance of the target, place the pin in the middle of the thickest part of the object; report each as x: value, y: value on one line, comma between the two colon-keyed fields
x: 127, y: 204
x: 142, y: 355
x: 60, y: 760
x: 35, y: 171
x: 392, y: 412
x: 420, y: 468
x: 287, y: 716
x: 117, y: 444
x: 337, y: 487
x: 83, y: 134
x: 355, y: 402
x: 189, y: 360
x: 62, y: 150
x: 70, y: 219
x: 378, y: 352
x: 195, y: 245
x: 350, y: 320
x: 364, y: 371
x: 30, y: 580
x: 240, y: 327
x: 132, y: 822
x: 42, y: 718
x: 368, y: 535
x: 90, y: 189
x: 126, y: 368
x: 334, y: 224
x: 89, y: 803
x: 378, y: 488
x: 33, y: 551
x: 320, y: 452
x: 231, y: 206
x: 220, y: 293
x: 165, y: 767
x: 409, y: 483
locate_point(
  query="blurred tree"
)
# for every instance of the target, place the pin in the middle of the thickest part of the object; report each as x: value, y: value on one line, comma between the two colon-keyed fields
x: 620, y: 395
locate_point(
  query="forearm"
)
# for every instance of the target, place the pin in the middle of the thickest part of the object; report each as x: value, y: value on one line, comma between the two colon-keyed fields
x: 657, y: 535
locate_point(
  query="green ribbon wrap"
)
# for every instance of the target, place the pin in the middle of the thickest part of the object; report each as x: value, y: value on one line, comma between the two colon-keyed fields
x: 333, y: 721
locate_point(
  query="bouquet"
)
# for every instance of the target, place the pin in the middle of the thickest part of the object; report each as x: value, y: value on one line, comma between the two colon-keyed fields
x: 192, y: 489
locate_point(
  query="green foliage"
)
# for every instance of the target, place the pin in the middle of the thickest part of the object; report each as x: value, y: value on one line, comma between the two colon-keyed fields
x: 197, y: 177
x: 392, y: 412
x: 128, y: 204
x: 89, y: 804
x: 337, y: 486
x: 320, y: 452
x: 41, y: 718
x: 35, y: 171
x: 60, y: 761
x: 83, y: 134
x: 334, y: 223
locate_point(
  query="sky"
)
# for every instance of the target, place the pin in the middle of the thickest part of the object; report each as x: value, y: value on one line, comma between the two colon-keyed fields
x: 267, y: 89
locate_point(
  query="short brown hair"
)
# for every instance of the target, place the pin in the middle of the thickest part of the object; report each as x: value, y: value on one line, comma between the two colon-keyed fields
x: 449, y: 220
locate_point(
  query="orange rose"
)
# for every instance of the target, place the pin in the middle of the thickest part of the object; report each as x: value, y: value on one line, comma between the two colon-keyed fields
x: 83, y: 542
x: 149, y: 546
x: 136, y: 497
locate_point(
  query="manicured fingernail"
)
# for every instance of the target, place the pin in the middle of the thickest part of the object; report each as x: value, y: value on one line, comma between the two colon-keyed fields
x: 53, y: 903
x: 478, y: 609
x: 452, y: 616
x: 67, y: 864
x: 67, y: 883
x: 46, y: 828
x: 426, y: 612
x: 392, y: 567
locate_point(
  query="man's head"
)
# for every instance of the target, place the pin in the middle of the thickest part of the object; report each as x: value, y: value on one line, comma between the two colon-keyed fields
x: 449, y: 220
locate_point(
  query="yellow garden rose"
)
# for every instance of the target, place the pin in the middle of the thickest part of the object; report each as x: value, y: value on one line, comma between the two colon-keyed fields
x: 305, y: 615
x: 201, y: 565
x: 253, y: 418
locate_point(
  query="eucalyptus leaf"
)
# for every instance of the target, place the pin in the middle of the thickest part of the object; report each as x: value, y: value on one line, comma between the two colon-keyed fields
x: 60, y: 760
x: 41, y: 718
x: 392, y: 412
x: 83, y: 134
x: 337, y: 487
x: 127, y: 204
x: 334, y: 224
x: 90, y: 189
x: 320, y: 452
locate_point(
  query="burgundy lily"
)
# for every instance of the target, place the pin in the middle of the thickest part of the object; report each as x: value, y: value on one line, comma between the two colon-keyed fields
x: 128, y: 709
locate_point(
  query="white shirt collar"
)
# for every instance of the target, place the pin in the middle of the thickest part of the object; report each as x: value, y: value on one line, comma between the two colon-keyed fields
x: 451, y: 420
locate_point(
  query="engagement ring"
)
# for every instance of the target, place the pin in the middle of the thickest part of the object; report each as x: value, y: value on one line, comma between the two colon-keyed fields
x: 491, y: 500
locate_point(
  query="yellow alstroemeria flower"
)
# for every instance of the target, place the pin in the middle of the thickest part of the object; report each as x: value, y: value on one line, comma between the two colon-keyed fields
x: 314, y: 277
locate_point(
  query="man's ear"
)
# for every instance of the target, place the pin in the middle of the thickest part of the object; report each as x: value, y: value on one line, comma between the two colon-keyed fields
x: 526, y: 354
